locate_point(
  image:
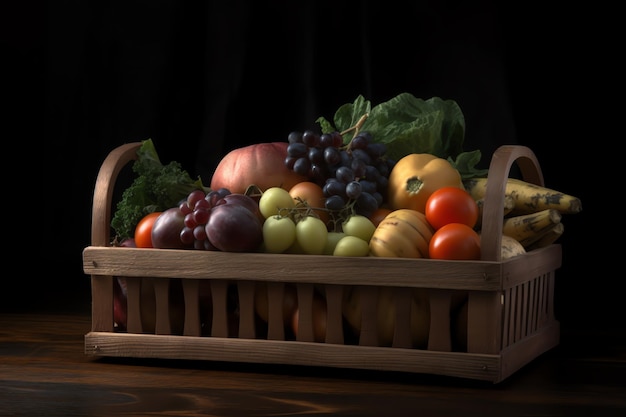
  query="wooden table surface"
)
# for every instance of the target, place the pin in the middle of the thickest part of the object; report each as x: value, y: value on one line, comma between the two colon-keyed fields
x: 44, y: 372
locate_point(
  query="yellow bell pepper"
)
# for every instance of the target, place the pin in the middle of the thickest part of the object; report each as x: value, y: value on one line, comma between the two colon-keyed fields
x: 416, y: 176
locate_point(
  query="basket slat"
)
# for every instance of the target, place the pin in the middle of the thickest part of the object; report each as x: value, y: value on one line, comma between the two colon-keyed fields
x: 334, y: 301
x: 192, y: 308
x: 465, y: 365
x: 246, y: 310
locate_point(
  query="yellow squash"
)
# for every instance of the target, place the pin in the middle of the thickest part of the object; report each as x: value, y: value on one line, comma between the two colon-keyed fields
x: 404, y: 233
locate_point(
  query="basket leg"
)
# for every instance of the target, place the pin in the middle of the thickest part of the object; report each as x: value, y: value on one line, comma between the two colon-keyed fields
x: 102, y: 303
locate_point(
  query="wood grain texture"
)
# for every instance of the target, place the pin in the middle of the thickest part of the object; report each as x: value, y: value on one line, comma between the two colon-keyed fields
x: 44, y: 371
x: 425, y: 273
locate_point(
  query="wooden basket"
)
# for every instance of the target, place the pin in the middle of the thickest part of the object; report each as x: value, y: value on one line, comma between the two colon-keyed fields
x: 504, y: 321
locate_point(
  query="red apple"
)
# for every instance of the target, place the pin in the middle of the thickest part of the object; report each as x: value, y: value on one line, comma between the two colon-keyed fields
x: 261, y: 164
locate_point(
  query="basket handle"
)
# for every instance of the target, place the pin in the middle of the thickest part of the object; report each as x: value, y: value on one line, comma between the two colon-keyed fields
x: 103, y: 191
x: 499, y: 170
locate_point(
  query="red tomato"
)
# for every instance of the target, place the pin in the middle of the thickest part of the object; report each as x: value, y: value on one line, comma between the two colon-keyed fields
x: 451, y: 205
x: 143, y: 231
x: 455, y: 241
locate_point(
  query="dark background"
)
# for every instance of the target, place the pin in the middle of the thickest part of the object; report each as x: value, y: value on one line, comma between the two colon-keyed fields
x: 201, y: 78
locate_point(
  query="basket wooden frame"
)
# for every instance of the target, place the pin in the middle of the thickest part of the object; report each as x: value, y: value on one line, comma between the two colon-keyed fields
x: 510, y: 311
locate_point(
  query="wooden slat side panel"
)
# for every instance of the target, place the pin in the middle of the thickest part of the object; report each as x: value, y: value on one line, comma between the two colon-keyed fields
x: 514, y: 309
x: 463, y: 365
x: 390, y: 272
x: 528, y: 307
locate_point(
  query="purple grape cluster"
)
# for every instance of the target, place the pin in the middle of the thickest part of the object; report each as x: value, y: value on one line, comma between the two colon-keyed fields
x: 197, y: 209
x: 354, y: 175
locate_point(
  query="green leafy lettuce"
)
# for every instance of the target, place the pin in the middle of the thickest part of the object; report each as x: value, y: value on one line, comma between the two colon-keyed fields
x: 407, y: 124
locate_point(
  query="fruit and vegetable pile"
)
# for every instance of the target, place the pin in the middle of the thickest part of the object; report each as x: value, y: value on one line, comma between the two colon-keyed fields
x: 390, y: 180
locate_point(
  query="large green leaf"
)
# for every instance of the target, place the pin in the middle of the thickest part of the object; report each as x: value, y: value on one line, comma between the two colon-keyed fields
x: 407, y: 124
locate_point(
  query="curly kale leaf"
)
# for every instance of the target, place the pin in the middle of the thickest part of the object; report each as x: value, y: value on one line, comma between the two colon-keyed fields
x: 156, y: 187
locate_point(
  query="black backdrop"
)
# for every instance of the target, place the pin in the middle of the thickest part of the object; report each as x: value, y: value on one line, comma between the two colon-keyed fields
x: 201, y: 78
